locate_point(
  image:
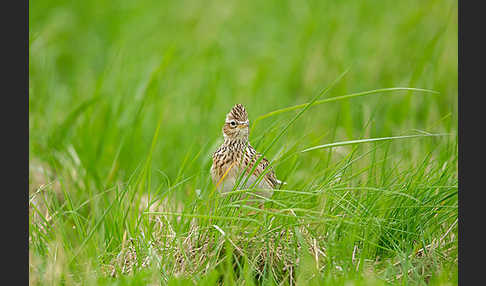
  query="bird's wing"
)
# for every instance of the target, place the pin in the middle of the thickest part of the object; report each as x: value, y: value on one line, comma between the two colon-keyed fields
x: 251, y: 157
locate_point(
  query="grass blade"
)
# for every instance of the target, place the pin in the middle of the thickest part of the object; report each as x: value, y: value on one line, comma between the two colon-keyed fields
x: 369, y: 140
x: 337, y: 98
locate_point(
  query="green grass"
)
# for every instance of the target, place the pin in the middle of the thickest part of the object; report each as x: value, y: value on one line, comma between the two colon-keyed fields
x: 354, y: 103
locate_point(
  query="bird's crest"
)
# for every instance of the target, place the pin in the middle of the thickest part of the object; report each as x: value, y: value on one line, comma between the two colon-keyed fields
x: 238, y: 113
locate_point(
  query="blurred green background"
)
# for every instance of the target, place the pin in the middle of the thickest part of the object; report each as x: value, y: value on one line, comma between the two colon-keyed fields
x: 189, y: 62
x: 104, y: 74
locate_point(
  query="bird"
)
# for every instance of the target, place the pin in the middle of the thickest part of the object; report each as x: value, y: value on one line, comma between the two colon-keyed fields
x: 236, y: 155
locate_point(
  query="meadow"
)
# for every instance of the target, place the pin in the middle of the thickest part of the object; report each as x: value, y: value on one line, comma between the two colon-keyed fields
x: 353, y: 102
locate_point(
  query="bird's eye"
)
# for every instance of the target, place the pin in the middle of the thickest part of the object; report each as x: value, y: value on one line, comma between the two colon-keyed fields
x: 233, y: 123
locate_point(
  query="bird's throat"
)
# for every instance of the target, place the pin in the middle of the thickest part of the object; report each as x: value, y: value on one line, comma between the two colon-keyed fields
x: 236, y: 144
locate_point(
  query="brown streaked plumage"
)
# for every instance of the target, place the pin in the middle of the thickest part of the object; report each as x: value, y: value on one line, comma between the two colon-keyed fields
x: 236, y: 153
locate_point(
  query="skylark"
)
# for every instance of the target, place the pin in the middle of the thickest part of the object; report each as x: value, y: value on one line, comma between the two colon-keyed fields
x: 236, y: 155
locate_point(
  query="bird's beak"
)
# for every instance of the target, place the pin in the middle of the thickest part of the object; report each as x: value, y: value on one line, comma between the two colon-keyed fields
x: 243, y: 125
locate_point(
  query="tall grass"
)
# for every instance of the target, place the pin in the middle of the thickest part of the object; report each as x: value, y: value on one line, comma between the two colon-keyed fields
x: 126, y: 104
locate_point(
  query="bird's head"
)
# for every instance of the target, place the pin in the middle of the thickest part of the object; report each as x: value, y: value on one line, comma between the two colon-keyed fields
x: 236, y: 124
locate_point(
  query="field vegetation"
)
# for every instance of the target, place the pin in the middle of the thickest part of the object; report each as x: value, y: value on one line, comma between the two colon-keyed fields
x: 353, y: 102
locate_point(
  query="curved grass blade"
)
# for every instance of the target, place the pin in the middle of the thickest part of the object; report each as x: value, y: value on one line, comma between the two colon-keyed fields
x: 337, y: 98
x: 369, y: 140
